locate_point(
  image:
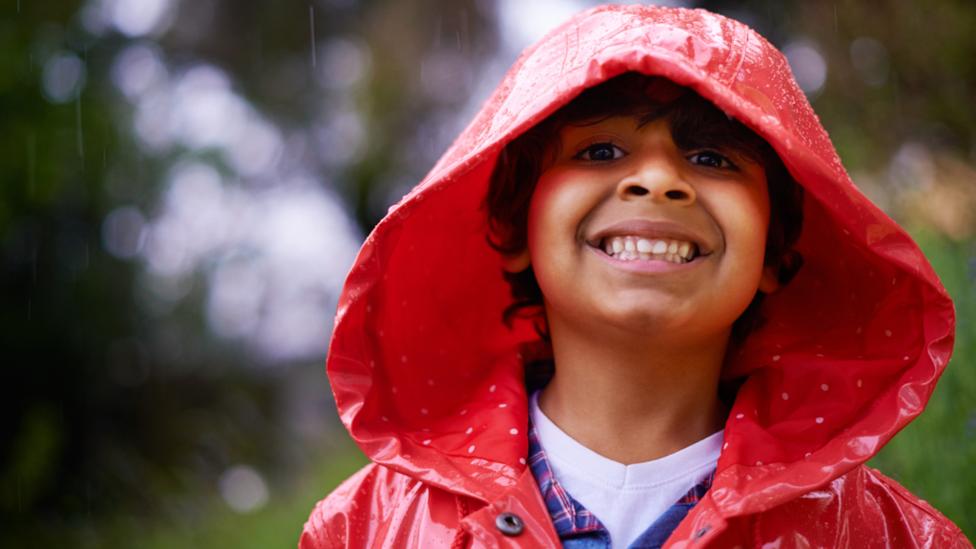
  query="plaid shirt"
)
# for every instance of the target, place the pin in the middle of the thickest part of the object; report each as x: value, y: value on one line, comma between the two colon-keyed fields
x: 578, y: 528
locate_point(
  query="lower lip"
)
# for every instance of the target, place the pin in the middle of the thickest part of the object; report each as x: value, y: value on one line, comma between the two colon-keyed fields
x: 644, y: 265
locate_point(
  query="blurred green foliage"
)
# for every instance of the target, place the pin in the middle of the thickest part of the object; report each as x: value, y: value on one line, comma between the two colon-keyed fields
x: 209, y: 522
x: 120, y: 418
x: 934, y: 456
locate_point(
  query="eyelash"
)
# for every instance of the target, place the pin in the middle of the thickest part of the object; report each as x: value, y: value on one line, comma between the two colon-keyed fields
x: 723, y: 161
x: 598, y: 146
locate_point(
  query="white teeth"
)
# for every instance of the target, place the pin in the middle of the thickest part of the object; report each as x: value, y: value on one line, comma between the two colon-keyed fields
x: 630, y: 248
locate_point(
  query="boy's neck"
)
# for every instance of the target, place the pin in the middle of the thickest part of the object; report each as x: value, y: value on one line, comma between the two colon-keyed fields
x: 635, y: 399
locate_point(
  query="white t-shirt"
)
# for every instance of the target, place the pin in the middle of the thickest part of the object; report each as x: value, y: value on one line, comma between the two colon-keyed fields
x: 626, y: 498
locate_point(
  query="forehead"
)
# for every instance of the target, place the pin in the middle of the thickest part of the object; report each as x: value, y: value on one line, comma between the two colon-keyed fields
x: 633, y: 94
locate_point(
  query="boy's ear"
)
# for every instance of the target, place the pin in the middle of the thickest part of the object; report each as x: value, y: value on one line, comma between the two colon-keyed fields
x: 769, y: 282
x: 517, y: 262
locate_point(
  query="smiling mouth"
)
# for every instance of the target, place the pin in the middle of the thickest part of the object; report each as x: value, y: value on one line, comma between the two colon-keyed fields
x: 636, y: 248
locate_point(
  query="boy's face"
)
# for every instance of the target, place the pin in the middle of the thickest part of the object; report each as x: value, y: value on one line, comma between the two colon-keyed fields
x: 627, y: 229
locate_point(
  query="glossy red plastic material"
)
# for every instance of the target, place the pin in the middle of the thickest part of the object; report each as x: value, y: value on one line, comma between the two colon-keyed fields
x: 428, y: 380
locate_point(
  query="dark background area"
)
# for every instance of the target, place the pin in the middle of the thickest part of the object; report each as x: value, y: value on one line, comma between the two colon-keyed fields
x: 185, y: 184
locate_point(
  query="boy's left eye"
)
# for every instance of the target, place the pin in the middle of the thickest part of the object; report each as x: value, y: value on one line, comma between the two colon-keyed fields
x: 600, y: 152
x: 711, y: 159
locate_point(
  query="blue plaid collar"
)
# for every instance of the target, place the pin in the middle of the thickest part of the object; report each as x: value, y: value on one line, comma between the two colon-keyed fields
x: 569, y: 516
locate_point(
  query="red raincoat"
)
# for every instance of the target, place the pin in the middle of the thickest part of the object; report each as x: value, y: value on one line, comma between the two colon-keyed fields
x: 428, y: 380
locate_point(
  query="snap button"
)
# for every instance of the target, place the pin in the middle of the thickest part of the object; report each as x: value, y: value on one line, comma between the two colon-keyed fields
x: 509, y: 524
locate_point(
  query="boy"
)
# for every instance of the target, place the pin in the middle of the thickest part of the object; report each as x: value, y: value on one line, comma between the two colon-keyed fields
x: 649, y: 180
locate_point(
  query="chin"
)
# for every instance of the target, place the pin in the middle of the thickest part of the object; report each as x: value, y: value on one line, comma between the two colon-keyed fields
x: 648, y: 321
x: 655, y: 321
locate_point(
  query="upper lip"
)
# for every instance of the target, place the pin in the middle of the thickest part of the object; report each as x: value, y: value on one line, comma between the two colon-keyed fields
x: 650, y: 229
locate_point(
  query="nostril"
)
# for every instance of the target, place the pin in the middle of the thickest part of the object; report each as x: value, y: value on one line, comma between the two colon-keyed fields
x: 676, y: 195
x: 637, y: 190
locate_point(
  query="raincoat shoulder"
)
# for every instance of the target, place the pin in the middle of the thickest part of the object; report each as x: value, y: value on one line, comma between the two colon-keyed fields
x: 378, y: 507
x: 862, y: 508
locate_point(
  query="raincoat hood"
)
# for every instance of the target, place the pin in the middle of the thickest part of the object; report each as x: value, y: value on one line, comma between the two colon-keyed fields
x: 429, y: 381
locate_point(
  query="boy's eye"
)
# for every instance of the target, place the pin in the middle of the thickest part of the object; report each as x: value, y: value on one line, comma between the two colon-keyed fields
x: 600, y: 152
x: 712, y: 159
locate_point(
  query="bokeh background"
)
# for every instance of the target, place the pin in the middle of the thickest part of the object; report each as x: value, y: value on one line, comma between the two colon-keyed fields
x: 186, y: 182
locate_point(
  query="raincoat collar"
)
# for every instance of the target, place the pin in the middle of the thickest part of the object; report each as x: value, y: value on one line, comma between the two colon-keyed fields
x: 428, y: 380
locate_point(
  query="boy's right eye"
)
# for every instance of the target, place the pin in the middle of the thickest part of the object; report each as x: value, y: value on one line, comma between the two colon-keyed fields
x: 600, y: 152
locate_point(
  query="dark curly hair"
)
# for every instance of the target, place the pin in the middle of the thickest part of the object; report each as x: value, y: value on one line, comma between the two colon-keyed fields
x: 694, y: 122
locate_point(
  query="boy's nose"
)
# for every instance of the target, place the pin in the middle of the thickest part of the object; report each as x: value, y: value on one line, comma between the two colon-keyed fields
x: 657, y: 184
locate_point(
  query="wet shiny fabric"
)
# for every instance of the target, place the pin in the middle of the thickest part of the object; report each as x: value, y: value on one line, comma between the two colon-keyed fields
x: 429, y: 381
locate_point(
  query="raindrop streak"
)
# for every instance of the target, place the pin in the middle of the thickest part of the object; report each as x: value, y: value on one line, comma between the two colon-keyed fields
x: 31, y: 161
x: 80, y: 134
x: 462, y: 32
x: 311, y: 25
